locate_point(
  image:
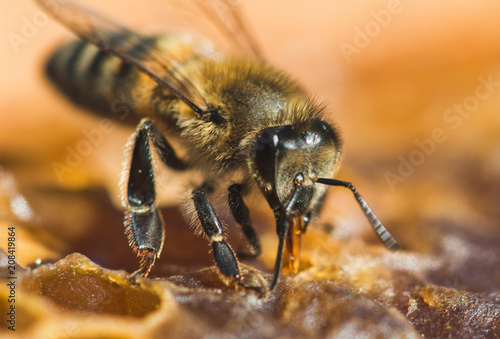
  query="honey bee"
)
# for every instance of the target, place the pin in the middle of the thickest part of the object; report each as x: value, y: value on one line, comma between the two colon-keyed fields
x: 235, y: 115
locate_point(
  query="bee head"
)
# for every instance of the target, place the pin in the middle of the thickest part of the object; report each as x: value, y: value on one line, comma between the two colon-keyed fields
x: 305, y: 150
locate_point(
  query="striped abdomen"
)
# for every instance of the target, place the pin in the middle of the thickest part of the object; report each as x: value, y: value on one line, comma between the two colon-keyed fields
x: 107, y: 85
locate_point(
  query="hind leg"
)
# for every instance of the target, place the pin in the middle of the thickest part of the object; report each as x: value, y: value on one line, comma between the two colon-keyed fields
x: 144, y: 225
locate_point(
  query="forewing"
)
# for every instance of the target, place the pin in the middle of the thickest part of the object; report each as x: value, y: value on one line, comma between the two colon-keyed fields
x: 130, y: 47
x: 226, y: 16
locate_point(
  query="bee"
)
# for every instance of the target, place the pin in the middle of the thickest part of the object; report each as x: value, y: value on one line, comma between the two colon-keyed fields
x: 235, y: 115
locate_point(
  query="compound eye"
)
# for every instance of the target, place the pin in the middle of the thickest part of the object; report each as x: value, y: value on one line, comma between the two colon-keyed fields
x: 266, y: 146
x: 267, y: 139
x: 268, y: 143
x: 323, y: 126
x: 328, y: 133
x: 312, y: 139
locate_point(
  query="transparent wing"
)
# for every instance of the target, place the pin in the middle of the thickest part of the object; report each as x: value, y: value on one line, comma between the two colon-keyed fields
x: 131, y: 47
x: 226, y: 16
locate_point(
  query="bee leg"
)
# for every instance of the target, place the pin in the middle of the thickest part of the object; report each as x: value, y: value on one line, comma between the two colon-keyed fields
x: 145, y: 232
x: 165, y: 152
x: 241, y: 215
x: 144, y: 225
x: 224, y: 256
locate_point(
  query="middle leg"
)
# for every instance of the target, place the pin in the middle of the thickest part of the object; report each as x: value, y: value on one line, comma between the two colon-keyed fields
x: 224, y: 256
x: 241, y: 215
